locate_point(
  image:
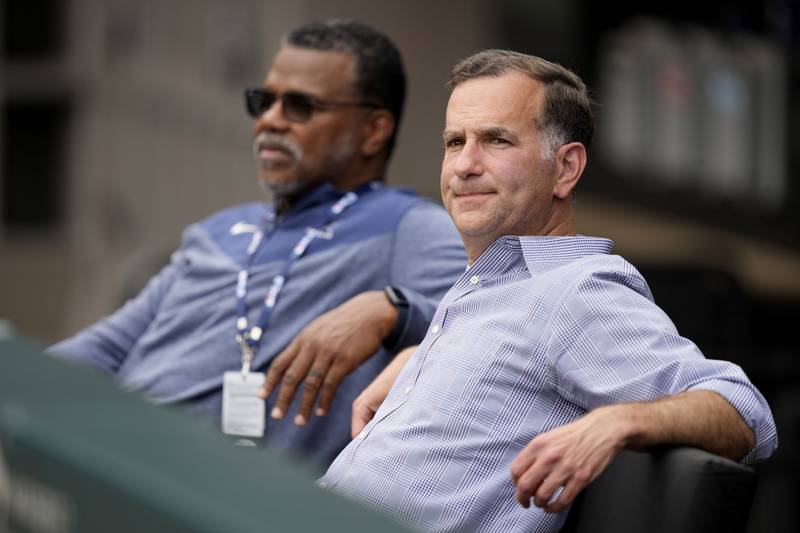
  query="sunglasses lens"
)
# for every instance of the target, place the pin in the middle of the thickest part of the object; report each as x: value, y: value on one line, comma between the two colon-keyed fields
x: 258, y: 101
x: 297, y: 107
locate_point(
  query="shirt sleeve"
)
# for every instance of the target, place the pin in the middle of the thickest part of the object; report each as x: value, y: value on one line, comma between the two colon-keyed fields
x: 613, y: 344
x: 108, y: 342
x: 427, y: 258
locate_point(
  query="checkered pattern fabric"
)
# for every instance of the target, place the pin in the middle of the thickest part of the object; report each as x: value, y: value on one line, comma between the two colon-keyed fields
x: 536, y: 333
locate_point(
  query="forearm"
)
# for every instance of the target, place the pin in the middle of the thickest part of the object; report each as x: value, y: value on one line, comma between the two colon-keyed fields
x: 106, y: 344
x: 573, y: 455
x: 701, y: 419
x: 376, y: 308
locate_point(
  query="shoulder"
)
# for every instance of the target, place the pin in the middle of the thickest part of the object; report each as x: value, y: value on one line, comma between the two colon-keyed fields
x: 408, y: 204
x: 393, y: 201
x: 222, y: 221
x: 604, y: 273
x: 395, y: 208
x: 217, y: 227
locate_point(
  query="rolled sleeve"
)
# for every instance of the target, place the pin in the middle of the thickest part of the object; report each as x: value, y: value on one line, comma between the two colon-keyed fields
x: 753, y: 409
x: 623, y: 348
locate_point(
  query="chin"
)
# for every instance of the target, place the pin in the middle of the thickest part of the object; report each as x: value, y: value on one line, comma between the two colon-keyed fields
x: 471, y: 225
x: 282, y: 187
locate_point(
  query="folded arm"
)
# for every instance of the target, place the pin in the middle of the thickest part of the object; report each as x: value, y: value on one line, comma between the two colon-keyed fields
x: 618, y: 356
x: 427, y: 257
x: 572, y: 456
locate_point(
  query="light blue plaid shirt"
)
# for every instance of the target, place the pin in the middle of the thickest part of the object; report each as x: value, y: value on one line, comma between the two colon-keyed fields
x: 536, y: 333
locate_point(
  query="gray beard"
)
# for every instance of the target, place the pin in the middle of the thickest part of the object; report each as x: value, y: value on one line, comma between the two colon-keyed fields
x: 284, y: 190
x: 341, y: 153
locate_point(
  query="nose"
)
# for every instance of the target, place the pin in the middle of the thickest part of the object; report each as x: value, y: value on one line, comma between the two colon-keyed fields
x: 468, y: 162
x: 272, y: 119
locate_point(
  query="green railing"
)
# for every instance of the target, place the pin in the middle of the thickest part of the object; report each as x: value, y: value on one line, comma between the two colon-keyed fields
x: 77, y: 454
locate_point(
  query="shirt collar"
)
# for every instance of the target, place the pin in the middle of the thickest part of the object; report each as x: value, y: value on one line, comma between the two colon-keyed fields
x: 544, y: 253
x: 503, y: 254
x: 323, y: 193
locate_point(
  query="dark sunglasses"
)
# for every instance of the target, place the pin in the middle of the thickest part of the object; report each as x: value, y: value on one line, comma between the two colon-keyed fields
x: 296, y: 106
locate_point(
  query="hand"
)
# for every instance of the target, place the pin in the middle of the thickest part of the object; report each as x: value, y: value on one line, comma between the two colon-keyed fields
x: 571, y: 456
x: 371, y: 398
x: 327, y: 350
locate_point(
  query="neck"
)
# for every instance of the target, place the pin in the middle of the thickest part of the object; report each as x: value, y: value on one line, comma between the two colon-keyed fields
x: 351, y: 177
x: 285, y: 201
x: 358, y: 173
x: 562, y: 224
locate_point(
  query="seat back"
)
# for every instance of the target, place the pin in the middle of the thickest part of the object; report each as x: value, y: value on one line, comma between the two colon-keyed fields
x: 676, y: 490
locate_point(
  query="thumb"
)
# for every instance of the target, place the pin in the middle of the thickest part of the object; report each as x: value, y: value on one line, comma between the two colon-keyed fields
x: 362, y: 414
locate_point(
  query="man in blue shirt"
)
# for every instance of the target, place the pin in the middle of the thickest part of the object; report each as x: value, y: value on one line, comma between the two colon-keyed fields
x: 296, y: 287
x: 548, y: 355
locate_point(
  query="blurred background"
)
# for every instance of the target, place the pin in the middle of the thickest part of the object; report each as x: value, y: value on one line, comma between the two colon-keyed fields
x: 122, y: 122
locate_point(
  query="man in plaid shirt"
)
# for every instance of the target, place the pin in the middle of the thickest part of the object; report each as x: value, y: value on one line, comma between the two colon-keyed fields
x: 548, y: 356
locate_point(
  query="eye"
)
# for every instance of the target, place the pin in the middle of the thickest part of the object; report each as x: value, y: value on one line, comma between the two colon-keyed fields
x: 453, y: 143
x: 499, y: 140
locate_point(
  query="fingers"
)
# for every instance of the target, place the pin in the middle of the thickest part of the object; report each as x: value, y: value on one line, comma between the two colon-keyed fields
x: 528, y: 482
x: 557, y: 478
x: 292, y: 377
x: 362, y: 414
x: 551, y: 477
x: 333, y: 379
x: 277, y: 368
x: 524, y: 459
x: 539, y: 470
x: 542, y: 485
x: 311, y: 385
x: 576, y: 484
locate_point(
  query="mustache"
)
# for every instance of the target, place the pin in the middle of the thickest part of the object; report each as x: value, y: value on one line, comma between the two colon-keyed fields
x: 274, y: 141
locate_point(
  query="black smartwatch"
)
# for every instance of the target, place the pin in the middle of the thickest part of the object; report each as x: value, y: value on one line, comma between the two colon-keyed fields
x: 399, y: 301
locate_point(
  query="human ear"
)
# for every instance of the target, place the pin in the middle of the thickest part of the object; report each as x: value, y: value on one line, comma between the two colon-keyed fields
x: 378, y: 129
x: 570, y: 162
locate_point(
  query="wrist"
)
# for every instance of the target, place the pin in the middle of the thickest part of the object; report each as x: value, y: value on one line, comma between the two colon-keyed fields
x: 626, y: 422
x: 382, y: 311
x: 397, y: 300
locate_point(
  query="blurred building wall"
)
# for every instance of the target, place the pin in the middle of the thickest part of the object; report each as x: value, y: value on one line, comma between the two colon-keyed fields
x: 158, y: 137
x: 155, y: 138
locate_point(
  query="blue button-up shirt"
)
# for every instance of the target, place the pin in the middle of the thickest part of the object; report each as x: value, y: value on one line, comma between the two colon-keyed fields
x: 174, y: 341
x: 536, y: 333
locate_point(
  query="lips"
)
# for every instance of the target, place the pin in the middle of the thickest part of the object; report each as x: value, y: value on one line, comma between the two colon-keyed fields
x: 472, y: 187
x: 272, y: 144
x: 471, y: 200
x: 468, y: 193
x: 272, y: 151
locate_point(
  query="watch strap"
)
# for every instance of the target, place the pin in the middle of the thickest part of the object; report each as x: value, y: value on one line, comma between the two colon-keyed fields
x: 398, y: 299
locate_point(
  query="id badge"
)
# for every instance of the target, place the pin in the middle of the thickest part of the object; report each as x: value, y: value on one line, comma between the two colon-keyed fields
x: 242, y: 410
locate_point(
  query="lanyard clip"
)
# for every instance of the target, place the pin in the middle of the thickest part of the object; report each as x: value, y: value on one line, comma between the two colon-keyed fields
x: 247, y: 354
x: 247, y: 359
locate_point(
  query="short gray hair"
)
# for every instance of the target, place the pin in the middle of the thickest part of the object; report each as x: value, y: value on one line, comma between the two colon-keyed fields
x: 566, y: 114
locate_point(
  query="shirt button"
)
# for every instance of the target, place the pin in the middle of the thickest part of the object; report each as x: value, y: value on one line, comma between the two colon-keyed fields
x: 474, y: 280
x: 435, y: 329
x: 408, y: 389
x: 322, y: 485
